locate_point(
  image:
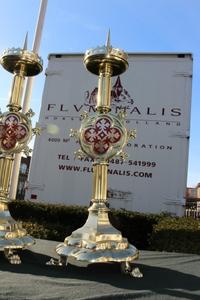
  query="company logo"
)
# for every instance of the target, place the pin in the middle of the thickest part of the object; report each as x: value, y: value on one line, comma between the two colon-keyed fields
x: 119, y: 95
x: 121, y: 100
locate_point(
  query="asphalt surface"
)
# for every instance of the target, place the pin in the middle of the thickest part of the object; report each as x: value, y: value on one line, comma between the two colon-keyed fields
x: 166, y: 276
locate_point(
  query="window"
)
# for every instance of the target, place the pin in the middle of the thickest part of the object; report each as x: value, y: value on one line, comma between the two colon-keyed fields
x: 23, y: 168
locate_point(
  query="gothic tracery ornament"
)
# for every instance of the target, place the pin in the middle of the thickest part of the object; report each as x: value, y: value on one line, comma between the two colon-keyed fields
x: 102, y: 135
x: 12, y: 130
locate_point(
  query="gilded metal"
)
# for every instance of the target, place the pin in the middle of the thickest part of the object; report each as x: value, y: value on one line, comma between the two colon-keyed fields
x: 15, y: 133
x: 18, y: 60
x: 95, y: 59
x: 101, y: 137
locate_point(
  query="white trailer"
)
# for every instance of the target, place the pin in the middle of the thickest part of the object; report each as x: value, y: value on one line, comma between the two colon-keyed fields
x: 155, y: 92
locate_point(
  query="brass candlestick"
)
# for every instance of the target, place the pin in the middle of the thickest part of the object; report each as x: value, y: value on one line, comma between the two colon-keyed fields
x: 101, y: 137
x: 15, y: 133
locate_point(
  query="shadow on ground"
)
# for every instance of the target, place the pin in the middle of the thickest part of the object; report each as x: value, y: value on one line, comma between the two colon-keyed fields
x: 158, y: 280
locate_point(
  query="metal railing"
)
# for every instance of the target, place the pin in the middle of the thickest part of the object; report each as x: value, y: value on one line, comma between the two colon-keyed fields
x: 194, y: 213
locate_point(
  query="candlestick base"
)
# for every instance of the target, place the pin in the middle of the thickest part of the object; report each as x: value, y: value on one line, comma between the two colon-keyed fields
x: 12, y: 236
x: 96, y: 242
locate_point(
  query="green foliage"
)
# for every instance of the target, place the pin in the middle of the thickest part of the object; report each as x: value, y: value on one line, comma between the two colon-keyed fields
x: 176, y: 235
x: 46, y: 231
x: 48, y: 213
x: 136, y: 227
x: 48, y: 221
x: 145, y: 231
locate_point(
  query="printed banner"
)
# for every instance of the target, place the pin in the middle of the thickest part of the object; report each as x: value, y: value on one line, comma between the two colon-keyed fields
x: 155, y: 93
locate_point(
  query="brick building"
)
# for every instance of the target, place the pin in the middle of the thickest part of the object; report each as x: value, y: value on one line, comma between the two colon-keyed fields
x: 193, y: 201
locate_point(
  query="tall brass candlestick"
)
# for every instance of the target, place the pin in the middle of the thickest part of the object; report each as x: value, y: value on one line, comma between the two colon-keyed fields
x: 15, y: 133
x: 101, y: 137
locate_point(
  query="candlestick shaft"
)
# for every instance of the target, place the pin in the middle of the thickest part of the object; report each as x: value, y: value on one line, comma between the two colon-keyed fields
x: 16, y: 92
x: 104, y: 88
x: 6, y: 164
x: 100, y: 176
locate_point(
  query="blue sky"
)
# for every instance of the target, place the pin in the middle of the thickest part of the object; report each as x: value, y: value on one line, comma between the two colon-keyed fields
x: 136, y: 26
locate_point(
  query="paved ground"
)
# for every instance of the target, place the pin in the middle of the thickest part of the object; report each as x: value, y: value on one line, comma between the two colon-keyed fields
x: 166, y: 276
